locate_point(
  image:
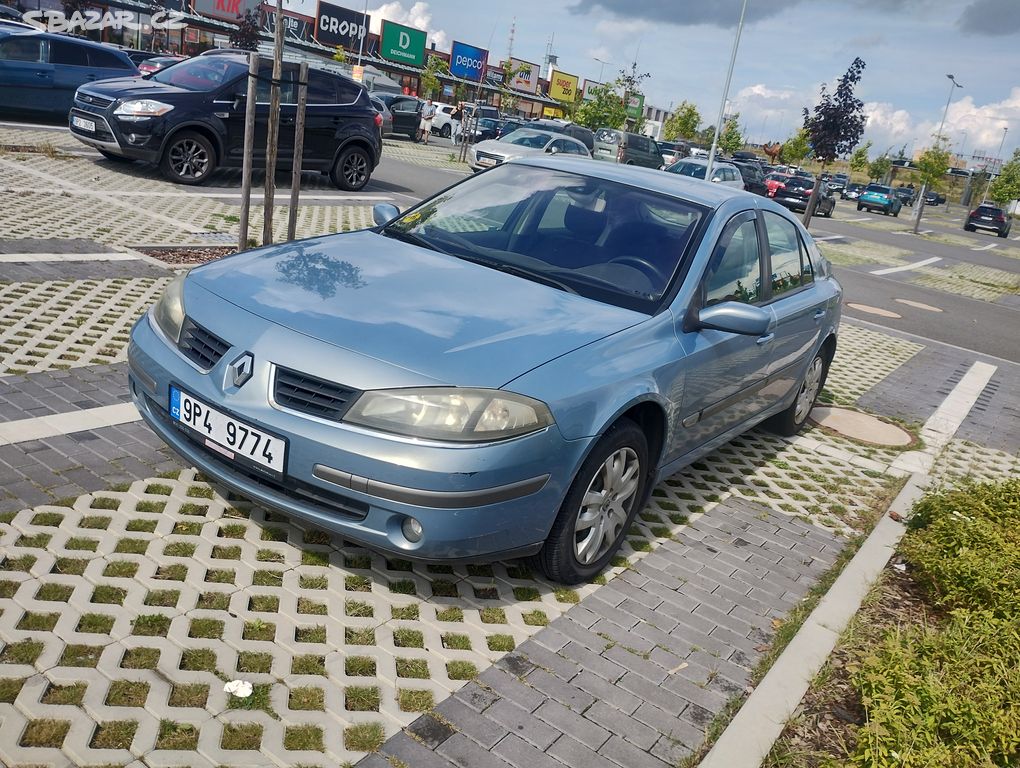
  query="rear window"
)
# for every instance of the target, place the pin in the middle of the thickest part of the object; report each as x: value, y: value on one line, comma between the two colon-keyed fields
x: 607, y: 136
x: 987, y: 210
x: 879, y: 189
x: 694, y: 170
x: 776, y: 177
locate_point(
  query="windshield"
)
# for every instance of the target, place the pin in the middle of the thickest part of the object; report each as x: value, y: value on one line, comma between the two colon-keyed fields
x: 526, y: 138
x: 202, y: 73
x: 694, y: 170
x: 604, y: 240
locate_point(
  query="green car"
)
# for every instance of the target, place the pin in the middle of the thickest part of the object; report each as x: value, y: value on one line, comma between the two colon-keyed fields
x: 878, y: 197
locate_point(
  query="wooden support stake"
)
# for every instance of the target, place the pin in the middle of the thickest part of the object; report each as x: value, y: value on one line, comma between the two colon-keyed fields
x: 299, y: 145
x: 273, y: 139
x: 249, y: 149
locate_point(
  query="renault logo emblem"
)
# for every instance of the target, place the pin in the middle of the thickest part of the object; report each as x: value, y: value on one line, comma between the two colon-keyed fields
x: 241, y: 369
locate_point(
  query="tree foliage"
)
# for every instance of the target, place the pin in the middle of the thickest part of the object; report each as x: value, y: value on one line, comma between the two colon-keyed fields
x: 246, y: 35
x: 932, y: 165
x: 507, y: 98
x: 730, y: 138
x: 1007, y: 186
x: 433, y: 68
x: 683, y: 123
x: 837, y: 122
x: 797, y: 147
x: 859, y: 159
x: 879, y: 167
x: 339, y: 54
x: 605, y: 109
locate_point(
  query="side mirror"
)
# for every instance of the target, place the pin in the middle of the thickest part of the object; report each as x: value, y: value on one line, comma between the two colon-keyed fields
x: 735, y: 317
x: 384, y: 213
x: 716, y: 179
x: 553, y: 150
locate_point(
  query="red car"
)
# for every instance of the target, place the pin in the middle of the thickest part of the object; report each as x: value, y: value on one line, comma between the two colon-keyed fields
x: 776, y: 181
x: 157, y: 63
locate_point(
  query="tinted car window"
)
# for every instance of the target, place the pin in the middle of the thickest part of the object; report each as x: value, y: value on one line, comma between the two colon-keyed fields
x: 349, y: 92
x: 879, y: 189
x: 573, y: 148
x: 784, y: 245
x: 205, y: 73
x: 105, y: 59
x: 288, y: 87
x: 67, y: 53
x: 526, y: 138
x: 404, y: 105
x: 736, y: 272
x: 987, y: 210
x: 321, y: 88
x: 21, y: 49
x: 694, y: 170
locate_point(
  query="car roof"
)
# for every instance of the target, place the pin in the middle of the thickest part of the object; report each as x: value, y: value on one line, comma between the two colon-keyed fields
x: 30, y: 30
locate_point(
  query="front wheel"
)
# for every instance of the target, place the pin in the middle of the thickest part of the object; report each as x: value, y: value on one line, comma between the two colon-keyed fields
x: 860, y: 207
x: 353, y: 169
x: 896, y: 215
x: 189, y: 158
x: 790, y: 421
x: 445, y: 131
x: 599, y: 507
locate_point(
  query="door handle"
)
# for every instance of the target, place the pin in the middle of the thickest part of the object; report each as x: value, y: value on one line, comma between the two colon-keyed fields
x: 286, y: 121
x: 763, y: 340
x: 41, y: 74
x: 819, y: 314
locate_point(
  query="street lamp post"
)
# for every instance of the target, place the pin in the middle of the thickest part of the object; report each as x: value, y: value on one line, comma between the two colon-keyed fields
x: 998, y: 154
x: 726, y: 93
x: 938, y: 141
x: 602, y: 68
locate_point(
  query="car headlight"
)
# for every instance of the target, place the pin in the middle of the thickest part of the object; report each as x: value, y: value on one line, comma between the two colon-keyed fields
x: 450, y: 414
x: 142, y: 108
x: 169, y: 310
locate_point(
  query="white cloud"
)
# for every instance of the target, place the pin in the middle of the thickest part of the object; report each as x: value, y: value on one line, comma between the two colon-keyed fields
x: 418, y: 16
x: 762, y: 92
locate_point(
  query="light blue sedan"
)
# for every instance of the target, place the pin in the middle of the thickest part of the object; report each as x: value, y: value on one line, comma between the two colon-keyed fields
x: 505, y: 370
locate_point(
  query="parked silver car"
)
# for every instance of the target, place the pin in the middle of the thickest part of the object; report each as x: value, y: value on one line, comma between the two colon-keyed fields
x: 522, y: 143
x: 726, y: 174
x: 387, y: 116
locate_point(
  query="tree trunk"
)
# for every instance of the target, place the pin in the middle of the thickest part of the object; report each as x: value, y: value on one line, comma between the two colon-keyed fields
x: 809, y: 210
x: 920, y: 207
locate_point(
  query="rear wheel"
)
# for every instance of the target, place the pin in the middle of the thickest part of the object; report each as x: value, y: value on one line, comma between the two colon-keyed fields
x: 445, y: 131
x: 790, y: 421
x: 189, y: 158
x: 860, y: 207
x: 353, y: 169
x: 896, y: 215
x: 1003, y: 233
x: 599, y: 507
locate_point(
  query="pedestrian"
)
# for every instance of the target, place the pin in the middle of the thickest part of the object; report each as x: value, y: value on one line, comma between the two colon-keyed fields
x: 457, y: 116
x: 428, y: 114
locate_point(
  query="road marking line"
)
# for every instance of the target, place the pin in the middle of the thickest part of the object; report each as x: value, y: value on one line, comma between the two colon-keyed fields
x: 829, y: 237
x: 54, y: 425
x: 918, y: 305
x: 985, y: 247
x: 906, y: 267
x: 861, y: 218
x: 122, y: 193
x: 874, y: 311
x: 31, y: 258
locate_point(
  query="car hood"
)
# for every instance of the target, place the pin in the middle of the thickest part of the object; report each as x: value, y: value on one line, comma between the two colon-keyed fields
x: 132, y: 88
x: 450, y: 320
x: 505, y: 149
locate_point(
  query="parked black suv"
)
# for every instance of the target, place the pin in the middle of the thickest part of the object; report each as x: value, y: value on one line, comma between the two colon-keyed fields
x: 189, y: 119
x: 989, y: 216
x: 754, y: 179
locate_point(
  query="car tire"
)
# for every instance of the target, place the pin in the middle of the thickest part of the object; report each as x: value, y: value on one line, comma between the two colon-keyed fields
x: 896, y: 215
x: 792, y: 420
x: 568, y: 559
x: 968, y: 228
x: 860, y: 207
x: 445, y: 131
x: 115, y: 158
x: 188, y: 158
x: 1003, y: 234
x: 352, y: 170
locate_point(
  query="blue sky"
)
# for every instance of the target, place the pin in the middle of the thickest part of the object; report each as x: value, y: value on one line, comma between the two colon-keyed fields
x: 788, y: 48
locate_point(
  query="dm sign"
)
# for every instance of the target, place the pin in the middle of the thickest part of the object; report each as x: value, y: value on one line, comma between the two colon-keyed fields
x: 467, y: 61
x: 405, y: 45
x: 563, y: 87
x: 339, y: 26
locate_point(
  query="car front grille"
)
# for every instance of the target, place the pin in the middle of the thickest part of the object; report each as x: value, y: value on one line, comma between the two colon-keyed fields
x: 486, y: 156
x: 203, y: 348
x: 102, y: 132
x: 312, y: 395
x: 91, y: 102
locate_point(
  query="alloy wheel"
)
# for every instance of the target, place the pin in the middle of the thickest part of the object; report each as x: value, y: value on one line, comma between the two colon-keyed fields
x: 355, y: 169
x: 606, y: 505
x: 189, y: 159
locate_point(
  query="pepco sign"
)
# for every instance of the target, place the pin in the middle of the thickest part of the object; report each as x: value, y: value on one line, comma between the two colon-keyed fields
x: 339, y: 26
x: 467, y: 61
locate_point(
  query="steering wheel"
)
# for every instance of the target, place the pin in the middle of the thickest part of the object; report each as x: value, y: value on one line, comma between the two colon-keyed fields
x: 644, y: 266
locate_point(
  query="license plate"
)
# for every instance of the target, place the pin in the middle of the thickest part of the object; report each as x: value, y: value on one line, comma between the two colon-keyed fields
x: 486, y: 161
x: 232, y: 438
x: 85, y: 125
x: 986, y: 218
x: 602, y: 151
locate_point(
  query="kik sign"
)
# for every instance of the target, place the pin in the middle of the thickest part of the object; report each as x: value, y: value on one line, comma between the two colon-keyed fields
x: 467, y: 61
x: 227, y: 10
x: 405, y: 45
x: 339, y: 26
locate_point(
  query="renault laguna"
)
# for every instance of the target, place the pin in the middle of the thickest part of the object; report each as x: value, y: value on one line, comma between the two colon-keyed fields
x: 505, y: 370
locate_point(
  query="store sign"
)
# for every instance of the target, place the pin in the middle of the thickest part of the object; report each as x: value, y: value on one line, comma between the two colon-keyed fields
x: 296, y: 28
x: 586, y: 92
x: 525, y: 75
x: 339, y: 26
x: 304, y: 8
x: 635, y: 105
x: 227, y: 10
x: 562, y: 87
x: 405, y: 45
x: 467, y: 61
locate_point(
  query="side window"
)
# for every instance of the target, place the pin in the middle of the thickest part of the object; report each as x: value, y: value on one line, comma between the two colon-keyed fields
x: 321, y: 88
x: 288, y: 86
x: 20, y: 48
x: 105, y: 60
x: 406, y: 105
x: 787, y: 254
x: 573, y: 148
x: 807, y: 269
x: 560, y: 145
x: 67, y: 53
x: 734, y: 272
x: 349, y: 92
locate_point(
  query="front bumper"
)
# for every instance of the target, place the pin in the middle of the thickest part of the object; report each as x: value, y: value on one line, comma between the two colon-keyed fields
x: 474, y: 503
x: 135, y: 140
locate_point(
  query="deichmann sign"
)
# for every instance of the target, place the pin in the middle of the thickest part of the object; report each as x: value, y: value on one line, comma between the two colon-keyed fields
x: 525, y: 75
x: 467, y: 61
x: 228, y: 10
x: 562, y: 87
x: 340, y: 26
x: 405, y: 45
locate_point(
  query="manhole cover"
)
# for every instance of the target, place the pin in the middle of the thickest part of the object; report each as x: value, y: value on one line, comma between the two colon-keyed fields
x: 860, y: 426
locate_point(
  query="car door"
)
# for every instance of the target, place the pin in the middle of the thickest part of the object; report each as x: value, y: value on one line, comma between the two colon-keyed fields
x: 406, y: 116
x: 231, y: 104
x: 26, y: 78
x: 70, y: 69
x: 796, y: 304
x: 322, y: 118
x: 726, y: 372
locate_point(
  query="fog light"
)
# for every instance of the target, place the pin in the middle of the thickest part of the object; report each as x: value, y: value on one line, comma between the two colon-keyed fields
x: 412, y: 530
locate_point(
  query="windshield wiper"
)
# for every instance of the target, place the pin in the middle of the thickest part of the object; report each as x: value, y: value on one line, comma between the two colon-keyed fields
x: 413, y: 239
x: 512, y: 269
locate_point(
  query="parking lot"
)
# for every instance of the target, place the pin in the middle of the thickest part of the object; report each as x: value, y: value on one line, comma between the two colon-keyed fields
x: 133, y: 589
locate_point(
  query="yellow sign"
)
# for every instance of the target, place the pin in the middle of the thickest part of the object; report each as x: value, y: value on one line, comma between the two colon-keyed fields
x: 552, y: 112
x: 358, y: 73
x: 563, y: 87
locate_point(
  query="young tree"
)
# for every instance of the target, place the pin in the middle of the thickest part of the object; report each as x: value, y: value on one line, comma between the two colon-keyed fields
x: 429, y: 78
x: 604, y: 110
x: 507, y: 98
x: 246, y: 36
x: 1007, y: 186
x: 683, y: 123
x: 705, y: 135
x: 730, y: 139
x: 797, y: 147
x: 340, y: 55
x: 835, y: 125
x: 859, y: 159
x: 931, y: 166
x: 879, y: 167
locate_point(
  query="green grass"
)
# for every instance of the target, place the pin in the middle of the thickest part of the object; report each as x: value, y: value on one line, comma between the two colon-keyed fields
x: 456, y: 641
x: 197, y: 510
x: 264, y: 603
x: 127, y: 693
x: 163, y: 598
x: 187, y: 528
x: 232, y: 531
x: 415, y: 701
x: 72, y: 693
x: 140, y: 658
x: 259, y: 630
x: 316, y: 634
x: 226, y: 553
x: 273, y: 534
x: 198, y: 660
x: 10, y: 687
x: 492, y: 616
x: 501, y: 642
x: 150, y: 507
x: 359, y: 636
x: 308, y: 664
x: 535, y: 618
x: 131, y: 546
x: 413, y: 668
x: 238, y: 736
x: 311, y: 607
x: 365, y: 737
x: 210, y: 629
x: 213, y: 601
x: 179, y: 549
x: 314, y: 558
x: 450, y: 614
x: 38, y: 541
x: 189, y: 695
x: 361, y: 699
x: 200, y: 492
x: 121, y: 569
x: 220, y: 576
x: 141, y: 526
x: 408, y: 638
x: 405, y: 612
x: 151, y: 625
x: 37, y: 622
x: 358, y: 584
x: 313, y: 582
x: 69, y: 566
x: 95, y: 623
x: 23, y: 563
x: 360, y: 666
x: 95, y: 522
x: 565, y: 595
x: 307, y: 698
x: 527, y: 594
x: 177, y: 736
x: 442, y: 588
x: 461, y: 670
x: 104, y: 502
x: 269, y: 556
x: 107, y: 595
x: 117, y: 734
x: 45, y: 733
x: 267, y: 578
x: 80, y: 655
x: 252, y: 662
x: 359, y: 609
x: 47, y: 519
x: 309, y: 737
